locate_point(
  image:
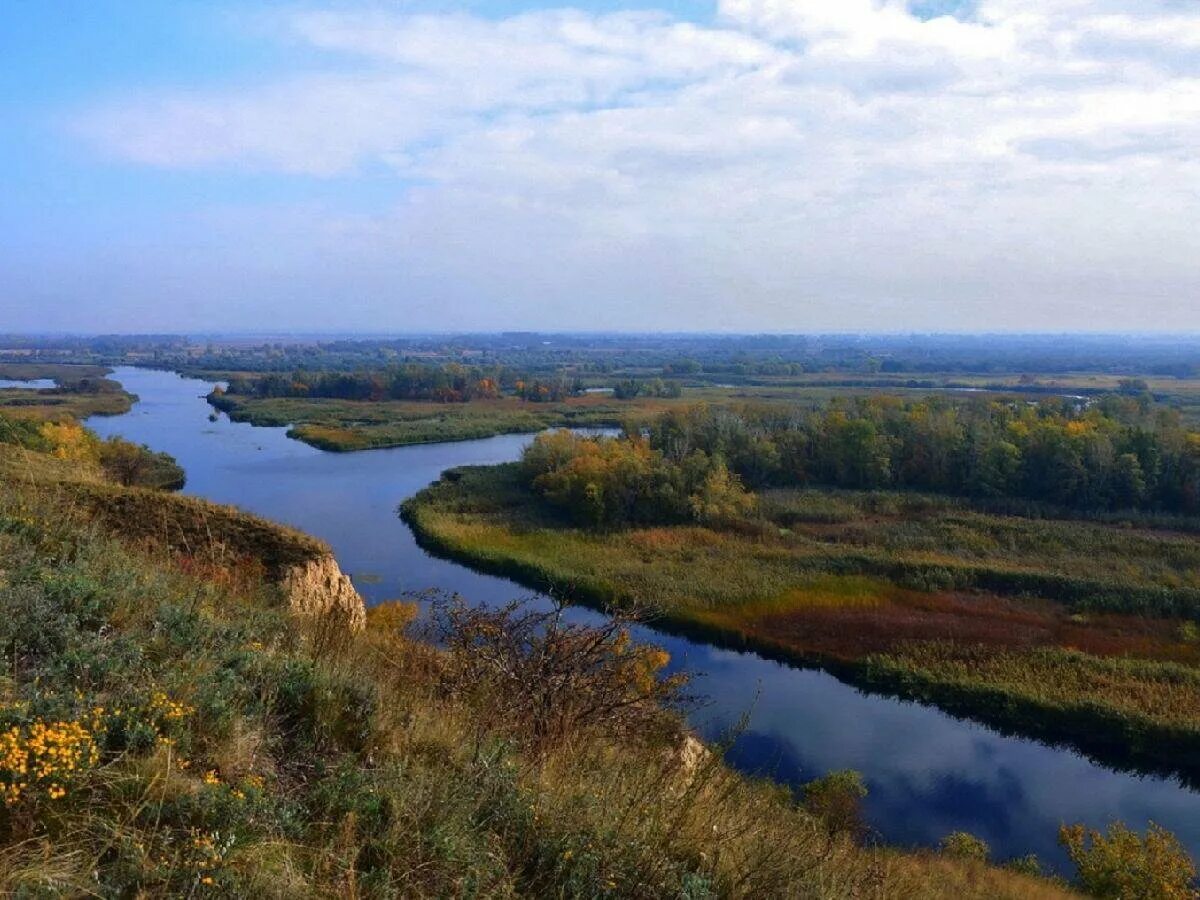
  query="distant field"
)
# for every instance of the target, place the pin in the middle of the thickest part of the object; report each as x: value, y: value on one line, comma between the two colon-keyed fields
x: 1026, y: 623
x: 1182, y: 394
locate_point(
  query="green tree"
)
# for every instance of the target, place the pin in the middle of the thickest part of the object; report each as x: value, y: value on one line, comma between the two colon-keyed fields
x: 721, y: 498
x: 1128, y: 481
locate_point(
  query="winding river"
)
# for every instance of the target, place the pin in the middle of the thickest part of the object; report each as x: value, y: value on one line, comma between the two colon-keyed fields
x: 928, y: 773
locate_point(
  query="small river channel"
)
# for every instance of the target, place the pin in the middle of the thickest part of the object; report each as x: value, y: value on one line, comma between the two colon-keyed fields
x: 928, y: 773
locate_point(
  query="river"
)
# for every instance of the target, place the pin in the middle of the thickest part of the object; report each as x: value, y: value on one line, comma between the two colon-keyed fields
x: 30, y: 384
x: 928, y: 773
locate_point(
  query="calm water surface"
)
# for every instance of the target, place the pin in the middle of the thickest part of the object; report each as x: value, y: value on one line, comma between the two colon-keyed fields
x: 928, y: 773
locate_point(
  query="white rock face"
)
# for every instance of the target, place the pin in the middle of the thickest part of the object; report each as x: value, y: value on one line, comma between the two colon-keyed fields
x: 319, y: 588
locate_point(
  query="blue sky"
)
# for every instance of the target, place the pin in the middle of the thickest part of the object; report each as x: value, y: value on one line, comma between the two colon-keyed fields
x: 739, y: 165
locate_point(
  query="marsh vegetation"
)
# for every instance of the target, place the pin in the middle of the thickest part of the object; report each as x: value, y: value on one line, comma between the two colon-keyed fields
x: 1048, y: 619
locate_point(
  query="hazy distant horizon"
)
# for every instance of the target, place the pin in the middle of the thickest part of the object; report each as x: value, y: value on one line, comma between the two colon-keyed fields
x: 1177, y: 336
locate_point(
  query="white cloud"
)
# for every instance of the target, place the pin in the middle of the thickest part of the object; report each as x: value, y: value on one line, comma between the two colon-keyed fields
x: 809, y: 158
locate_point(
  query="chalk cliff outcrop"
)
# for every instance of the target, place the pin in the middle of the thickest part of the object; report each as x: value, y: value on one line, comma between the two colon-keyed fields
x: 318, y: 587
x: 303, y: 566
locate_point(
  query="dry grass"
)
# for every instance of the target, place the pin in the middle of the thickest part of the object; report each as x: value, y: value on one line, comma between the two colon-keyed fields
x: 1165, y: 694
x: 195, y: 527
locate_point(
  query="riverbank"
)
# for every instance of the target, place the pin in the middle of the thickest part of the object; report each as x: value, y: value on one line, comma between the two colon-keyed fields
x: 79, y: 391
x: 1123, y: 688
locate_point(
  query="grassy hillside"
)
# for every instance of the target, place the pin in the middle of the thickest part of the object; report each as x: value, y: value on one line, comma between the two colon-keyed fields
x: 166, y: 729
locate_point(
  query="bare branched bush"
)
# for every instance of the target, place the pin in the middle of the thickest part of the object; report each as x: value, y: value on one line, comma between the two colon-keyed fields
x: 546, y: 681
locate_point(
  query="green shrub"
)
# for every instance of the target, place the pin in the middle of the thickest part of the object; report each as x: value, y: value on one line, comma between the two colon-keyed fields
x: 135, y: 465
x: 964, y: 845
x: 1123, y: 865
x: 1026, y: 865
x: 836, y: 799
x: 25, y: 433
x: 316, y: 708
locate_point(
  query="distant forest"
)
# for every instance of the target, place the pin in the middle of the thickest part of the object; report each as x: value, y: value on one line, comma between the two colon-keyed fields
x: 448, y: 383
x: 724, y: 357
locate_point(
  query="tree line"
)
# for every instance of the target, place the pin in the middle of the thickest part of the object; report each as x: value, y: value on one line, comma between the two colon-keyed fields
x: 1111, y: 453
x: 450, y: 383
x: 697, y: 463
x: 631, y: 388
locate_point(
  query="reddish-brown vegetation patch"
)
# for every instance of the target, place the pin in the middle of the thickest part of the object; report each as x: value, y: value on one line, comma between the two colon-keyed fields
x: 851, y: 632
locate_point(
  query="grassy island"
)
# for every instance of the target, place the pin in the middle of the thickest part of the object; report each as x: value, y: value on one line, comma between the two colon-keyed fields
x: 345, y: 425
x: 1068, y: 624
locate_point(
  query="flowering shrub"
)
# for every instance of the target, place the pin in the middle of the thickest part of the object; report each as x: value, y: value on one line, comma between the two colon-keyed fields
x: 43, y: 758
x: 205, y: 853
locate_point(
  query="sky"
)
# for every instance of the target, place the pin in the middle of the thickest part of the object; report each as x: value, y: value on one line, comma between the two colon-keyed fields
x: 620, y: 165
